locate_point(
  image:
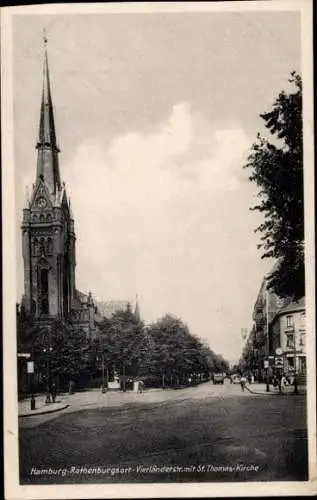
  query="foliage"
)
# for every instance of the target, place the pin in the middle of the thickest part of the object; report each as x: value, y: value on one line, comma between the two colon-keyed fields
x: 176, y: 353
x: 164, y: 352
x: 59, y: 351
x: 123, y: 343
x: 277, y: 169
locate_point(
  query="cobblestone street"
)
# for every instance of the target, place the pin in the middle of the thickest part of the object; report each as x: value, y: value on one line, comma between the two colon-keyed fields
x: 210, y: 432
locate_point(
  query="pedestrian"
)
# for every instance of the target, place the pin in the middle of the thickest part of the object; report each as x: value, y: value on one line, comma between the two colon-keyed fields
x: 47, y: 395
x: 249, y: 378
x: 53, y: 392
x: 243, y: 381
x: 284, y: 382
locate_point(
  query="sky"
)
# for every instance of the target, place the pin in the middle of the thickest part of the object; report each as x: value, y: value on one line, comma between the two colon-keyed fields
x: 155, y: 115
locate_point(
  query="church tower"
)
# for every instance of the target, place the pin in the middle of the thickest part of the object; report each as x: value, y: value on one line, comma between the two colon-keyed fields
x: 48, y: 236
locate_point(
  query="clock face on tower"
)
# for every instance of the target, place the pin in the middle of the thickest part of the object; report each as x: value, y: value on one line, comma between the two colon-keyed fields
x: 41, y: 203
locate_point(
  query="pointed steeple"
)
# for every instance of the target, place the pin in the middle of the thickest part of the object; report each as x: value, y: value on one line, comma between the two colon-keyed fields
x: 47, y: 161
x: 137, y: 309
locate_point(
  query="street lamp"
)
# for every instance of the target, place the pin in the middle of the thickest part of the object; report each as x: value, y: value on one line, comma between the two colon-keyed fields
x: 47, y: 352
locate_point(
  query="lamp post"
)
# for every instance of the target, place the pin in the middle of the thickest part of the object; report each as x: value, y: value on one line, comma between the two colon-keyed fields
x: 30, y: 370
x: 47, y: 352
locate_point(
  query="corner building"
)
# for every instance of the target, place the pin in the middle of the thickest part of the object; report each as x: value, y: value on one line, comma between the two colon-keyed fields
x: 48, y: 236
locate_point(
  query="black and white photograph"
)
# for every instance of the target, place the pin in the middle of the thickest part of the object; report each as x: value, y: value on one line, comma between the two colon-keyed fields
x: 158, y: 235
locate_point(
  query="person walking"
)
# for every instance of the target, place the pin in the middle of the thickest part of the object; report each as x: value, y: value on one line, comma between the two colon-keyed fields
x: 47, y: 394
x: 53, y: 392
x: 284, y: 382
x: 243, y: 381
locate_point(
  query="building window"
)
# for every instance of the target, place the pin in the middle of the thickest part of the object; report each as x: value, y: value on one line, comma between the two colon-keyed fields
x: 290, y: 362
x: 290, y: 341
x: 35, y: 247
x: 49, y: 246
x: 289, y: 321
x: 44, y: 306
x: 302, y: 319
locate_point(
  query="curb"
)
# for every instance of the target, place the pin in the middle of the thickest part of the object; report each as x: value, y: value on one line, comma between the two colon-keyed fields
x: 270, y: 393
x: 44, y: 412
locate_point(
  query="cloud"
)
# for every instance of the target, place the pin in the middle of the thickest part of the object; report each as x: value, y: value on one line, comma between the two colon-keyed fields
x: 155, y: 213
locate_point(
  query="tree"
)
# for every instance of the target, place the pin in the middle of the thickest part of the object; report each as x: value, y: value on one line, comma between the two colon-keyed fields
x: 124, y: 343
x: 59, y: 350
x: 177, y: 355
x: 277, y: 169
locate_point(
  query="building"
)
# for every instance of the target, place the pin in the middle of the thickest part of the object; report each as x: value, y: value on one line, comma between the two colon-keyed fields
x: 288, y: 333
x: 108, y: 308
x: 265, y: 308
x: 48, y: 236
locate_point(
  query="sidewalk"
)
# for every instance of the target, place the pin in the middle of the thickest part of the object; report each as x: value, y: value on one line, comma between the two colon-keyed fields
x: 24, y: 406
x: 96, y: 399
x: 261, y: 389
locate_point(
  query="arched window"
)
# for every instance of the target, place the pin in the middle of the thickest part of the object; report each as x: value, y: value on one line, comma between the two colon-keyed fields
x: 49, y: 246
x: 35, y: 245
x: 42, y: 217
x: 42, y: 246
x: 49, y: 216
x: 44, y: 305
x: 34, y: 217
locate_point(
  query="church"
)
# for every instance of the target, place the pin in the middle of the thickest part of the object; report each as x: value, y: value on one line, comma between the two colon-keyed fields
x: 49, y: 239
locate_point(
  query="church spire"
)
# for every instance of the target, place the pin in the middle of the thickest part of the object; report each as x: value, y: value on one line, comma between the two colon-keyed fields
x: 47, y: 162
x: 137, y: 310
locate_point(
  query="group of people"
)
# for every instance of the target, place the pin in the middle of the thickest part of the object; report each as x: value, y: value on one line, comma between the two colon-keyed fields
x: 282, y: 381
x: 50, y: 393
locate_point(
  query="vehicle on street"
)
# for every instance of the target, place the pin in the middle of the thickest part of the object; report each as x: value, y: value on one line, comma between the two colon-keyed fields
x: 236, y: 378
x: 218, y: 378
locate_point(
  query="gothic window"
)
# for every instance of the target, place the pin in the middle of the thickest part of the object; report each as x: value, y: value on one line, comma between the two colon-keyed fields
x: 49, y: 246
x: 34, y: 217
x: 41, y: 217
x: 42, y: 246
x: 49, y: 217
x: 44, y: 306
x: 35, y: 247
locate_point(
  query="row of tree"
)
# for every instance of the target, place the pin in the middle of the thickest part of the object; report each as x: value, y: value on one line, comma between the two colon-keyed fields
x: 163, y: 353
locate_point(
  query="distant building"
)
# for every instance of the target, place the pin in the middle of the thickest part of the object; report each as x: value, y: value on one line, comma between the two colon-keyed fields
x: 289, y: 333
x: 108, y: 308
x: 266, y: 306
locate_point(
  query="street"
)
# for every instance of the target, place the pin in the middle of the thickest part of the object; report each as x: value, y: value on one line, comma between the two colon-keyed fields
x: 205, y: 433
